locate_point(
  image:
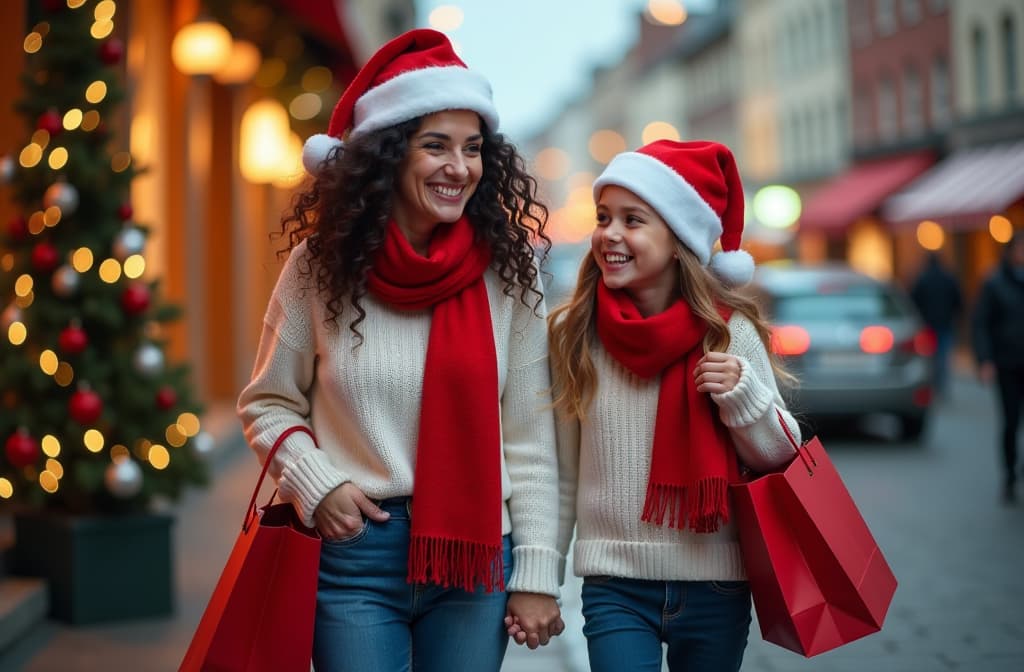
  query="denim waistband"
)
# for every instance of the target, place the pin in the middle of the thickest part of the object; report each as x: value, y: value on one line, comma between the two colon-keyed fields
x: 397, y: 506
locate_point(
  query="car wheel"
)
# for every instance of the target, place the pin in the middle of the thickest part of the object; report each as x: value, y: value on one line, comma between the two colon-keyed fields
x: 912, y: 426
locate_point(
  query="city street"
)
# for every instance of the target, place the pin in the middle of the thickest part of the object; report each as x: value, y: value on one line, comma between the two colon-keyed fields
x: 934, y: 509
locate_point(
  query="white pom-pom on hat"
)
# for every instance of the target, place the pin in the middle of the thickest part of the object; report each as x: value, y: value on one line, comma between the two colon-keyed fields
x: 735, y: 268
x: 316, y: 149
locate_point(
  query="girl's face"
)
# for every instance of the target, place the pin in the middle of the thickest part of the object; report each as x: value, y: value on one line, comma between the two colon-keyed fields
x: 634, y: 248
x: 439, y: 174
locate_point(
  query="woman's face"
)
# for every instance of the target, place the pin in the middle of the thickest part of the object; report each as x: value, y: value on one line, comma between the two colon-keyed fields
x: 634, y: 248
x: 439, y: 174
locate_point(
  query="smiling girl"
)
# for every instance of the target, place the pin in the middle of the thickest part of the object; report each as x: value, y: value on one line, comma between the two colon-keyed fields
x: 406, y: 333
x: 664, y: 387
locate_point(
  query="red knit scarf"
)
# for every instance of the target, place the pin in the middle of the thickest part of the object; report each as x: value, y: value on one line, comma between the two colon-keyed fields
x: 693, y: 459
x: 456, y: 504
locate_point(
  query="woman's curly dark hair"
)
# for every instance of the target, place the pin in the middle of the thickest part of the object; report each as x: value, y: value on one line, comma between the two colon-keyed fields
x: 343, y: 214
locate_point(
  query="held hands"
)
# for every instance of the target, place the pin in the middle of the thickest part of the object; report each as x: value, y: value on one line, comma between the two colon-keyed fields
x: 533, y: 619
x: 717, y: 373
x: 340, y: 514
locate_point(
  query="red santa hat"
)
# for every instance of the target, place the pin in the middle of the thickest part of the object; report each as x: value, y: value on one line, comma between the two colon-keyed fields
x: 415, y: 74
x: 695, y: 187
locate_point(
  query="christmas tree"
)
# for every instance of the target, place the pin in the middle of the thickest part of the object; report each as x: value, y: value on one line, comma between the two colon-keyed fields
x: 93, y: 419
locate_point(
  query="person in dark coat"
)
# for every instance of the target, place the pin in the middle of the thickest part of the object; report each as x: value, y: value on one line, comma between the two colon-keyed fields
x: 936, y: 292
x: 999, y: 348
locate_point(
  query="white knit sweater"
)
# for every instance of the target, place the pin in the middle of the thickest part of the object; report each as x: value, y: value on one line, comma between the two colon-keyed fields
x: 604, y: 463
x: 363, y: 405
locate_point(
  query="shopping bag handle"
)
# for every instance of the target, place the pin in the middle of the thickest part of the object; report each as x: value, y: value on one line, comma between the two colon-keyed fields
x: 250, y: 513
x: 804, y: 454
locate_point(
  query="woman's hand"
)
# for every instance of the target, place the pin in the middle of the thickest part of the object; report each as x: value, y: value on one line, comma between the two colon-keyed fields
x: 340, y: 514
x: 717, y: 373
x: 533, y: 619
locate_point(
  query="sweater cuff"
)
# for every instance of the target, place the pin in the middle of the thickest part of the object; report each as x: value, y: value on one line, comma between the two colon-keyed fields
x: 306, y: 481
x: 535, y: 570
x: 746, y: 403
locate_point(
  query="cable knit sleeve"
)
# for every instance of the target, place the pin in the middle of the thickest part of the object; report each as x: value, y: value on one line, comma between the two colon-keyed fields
x: 751, y: 409
x: 567, y: 438
x: 276, y: 397
x: 528, y: 436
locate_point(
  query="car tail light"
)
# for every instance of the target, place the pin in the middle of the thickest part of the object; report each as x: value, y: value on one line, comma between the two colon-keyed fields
x: 790, y: 340
x: 876, y: 340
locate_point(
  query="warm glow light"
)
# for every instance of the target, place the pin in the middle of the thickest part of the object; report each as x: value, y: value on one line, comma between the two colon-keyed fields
x: 201, y: 48
x: 17, y: 333
x: 175, y: 436
x: 135, y: 266
x: 876, y: 340
x: 48, y: 481
x: 41, y: 137
x: 96, y: 92
x: 317, y: 79
x: 552, y: 163
x: 666, y: 12
x: 48, y: 362
x: 58, y: 158
x: 159, y: 457
x: 6, y: 489
x: 264, y: 141
x: 72, y: 119
x: 930, y: 235
x: 23, y: 285
x: 120, y: 162
x: 55, y: 468
x: 271, y: 72
x: 305, y: 106
x: 30, y: 156
x: 605, y: 144
x: 82, y: 259
x: 101, y: 29
x: 65, y: 374
x: 52, y: 215
x: 789, y: 339
x: 93, y: 440
x: 50, y: 445
x: 291, y: 171
x: 24, y: 301
x: 446, y: 18
x: 241, y: 66
x: 659, y: 130
x: 189, y: 423
x: 776, y: 206
x: 90, y: 120
x: 110, y: 271
x: 118, y: 453
x: 37, y: 222
x: 75, y: 4
x: 1000, y: 228
x: 33, y: 43
x: 7, y: 262
x: 105, y: 10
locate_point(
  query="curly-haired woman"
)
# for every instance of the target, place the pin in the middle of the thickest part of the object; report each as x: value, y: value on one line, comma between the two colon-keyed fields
x: 410, y: 310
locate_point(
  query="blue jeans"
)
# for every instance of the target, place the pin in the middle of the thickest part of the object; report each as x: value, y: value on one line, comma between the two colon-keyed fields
x: 704, y: 623
x: 368, y: 619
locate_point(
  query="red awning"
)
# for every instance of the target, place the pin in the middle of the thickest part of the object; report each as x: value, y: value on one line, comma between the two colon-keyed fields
x: 860, y: 191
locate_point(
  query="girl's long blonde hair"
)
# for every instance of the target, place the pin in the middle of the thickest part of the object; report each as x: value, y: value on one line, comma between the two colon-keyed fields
x: 573, y: 328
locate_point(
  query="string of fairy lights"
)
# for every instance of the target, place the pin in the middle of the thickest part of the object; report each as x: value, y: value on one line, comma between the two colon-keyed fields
x: 125, y: 261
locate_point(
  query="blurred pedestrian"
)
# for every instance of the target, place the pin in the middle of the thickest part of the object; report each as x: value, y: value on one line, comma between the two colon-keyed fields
x: 999, y: 348
x: 936, y: 293
x: 410, y: 306
x: 663, y: 386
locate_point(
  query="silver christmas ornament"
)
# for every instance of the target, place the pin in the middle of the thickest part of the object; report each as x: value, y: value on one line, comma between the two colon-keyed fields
x: 148, y: 360
x: 62, y: 195
x: 6, y: 169
x: 128, y: 242
x: 123, y: 478
x: 65, y: 281
x: 203, y: 444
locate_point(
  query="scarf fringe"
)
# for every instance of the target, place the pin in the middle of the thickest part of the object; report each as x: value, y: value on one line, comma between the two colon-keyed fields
x: 456, y: 563
x: 703, y: 507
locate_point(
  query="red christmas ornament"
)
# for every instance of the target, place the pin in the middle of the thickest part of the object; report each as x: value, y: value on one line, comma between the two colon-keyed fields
x: 50, y: 122
x: 21, y: 449
x: 73, y: 339
x: 17, y: 228
x: 45, y: 257
x: 125, y: 211
x: 111, y: 51
x: 166, y: 398
x: 85, y: 406
x: 135, y: 298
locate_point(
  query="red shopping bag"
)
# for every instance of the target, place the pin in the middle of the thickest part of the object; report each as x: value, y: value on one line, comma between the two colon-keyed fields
x: 817, y: 576
x: 260, y: 617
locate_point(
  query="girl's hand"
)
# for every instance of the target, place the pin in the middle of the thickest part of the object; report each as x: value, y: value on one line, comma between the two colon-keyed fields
x: 533, y: 619
x: 340, y: 514
x: 717, y: 373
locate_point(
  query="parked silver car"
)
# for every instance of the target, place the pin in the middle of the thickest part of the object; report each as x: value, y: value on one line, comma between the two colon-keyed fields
x: 857, y: 345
